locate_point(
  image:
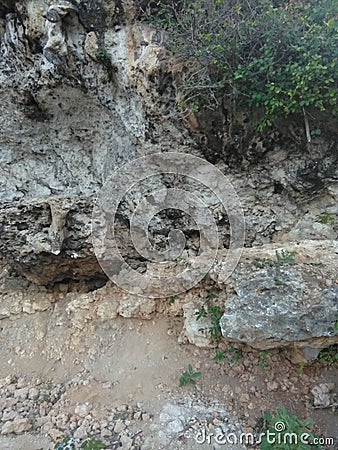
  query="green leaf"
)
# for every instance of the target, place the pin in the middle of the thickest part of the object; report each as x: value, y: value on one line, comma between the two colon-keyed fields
x: 196, y: 375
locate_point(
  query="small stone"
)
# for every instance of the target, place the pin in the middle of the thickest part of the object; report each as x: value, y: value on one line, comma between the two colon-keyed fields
x: 40, y: 421
x: 81, y: 433
x: 251, y: 423
x: 272, y: 386
x: 145, y: 417
x: 21, y: 382
x: 122, y: 408
x: 62, y: 421
x: 16, y: 426
x: 323, y: 395
x: 21, y: 394
x: 47, y: 426
x: 83, y: 409
x: 55, y: 434
x: 33, y: 393
x: 126, y: 442
x: 91, y: 45
x: 119, y: 427
x: 175, y: 426
x: 244, y: 398
x: 8, y: 415
x: 3, y: 404
x: 105, y: 432
x: 217, y: 423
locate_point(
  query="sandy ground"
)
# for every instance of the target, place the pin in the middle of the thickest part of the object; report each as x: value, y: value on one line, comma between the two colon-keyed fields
x: 139, y: 362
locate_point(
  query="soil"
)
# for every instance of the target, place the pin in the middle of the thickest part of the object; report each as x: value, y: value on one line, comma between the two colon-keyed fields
x: 130, y: 371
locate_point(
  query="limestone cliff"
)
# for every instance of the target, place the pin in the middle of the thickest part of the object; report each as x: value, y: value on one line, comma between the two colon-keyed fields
x: 85, y: 88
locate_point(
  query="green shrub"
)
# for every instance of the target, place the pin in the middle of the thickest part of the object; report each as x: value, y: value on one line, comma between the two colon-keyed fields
x: 279, y: 57
x: 329, y: 354
x: 283, y: 431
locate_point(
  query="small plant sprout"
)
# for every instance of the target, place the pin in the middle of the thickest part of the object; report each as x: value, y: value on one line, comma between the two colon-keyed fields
x: 214, y: 314
x: 282, y: 258
x: 235, y: 354
x: 189, y: 377
x: 299, y: 369
x: 219, y: 356
x: 329, y: 354
x: 285, y: 257
x: 263, y: 359
x: 327, y: 219
x: 202, y: 312
x: 104, y: 58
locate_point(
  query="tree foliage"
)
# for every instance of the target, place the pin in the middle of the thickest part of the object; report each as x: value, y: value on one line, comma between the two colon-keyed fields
x: 278, y: 56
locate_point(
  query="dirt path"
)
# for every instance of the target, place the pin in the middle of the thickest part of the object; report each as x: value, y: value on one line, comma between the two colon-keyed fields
x: 121, y: 383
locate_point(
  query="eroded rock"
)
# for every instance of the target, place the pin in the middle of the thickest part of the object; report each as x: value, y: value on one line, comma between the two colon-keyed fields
x: 323, y: 395
x: 284, y: 300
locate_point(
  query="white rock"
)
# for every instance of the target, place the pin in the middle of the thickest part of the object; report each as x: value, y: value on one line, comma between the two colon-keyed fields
x: 175, y: 426
x: 33, y: 393
x: 8, y: 415
x: 81, y: 433
x: 119, y: 426
x: 126, y: 442
x: 21, y: 394
x: 82, y: 409
x: 16, y: 426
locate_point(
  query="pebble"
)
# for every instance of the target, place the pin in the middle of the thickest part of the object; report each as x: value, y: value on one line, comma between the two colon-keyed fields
x: 8, y: 415
x: 83, y: 409
x: 272, y: 386
x: 126, y: 442
x: 81, y: 432
x: 119, y: 426
x: 244, y: 398
x: 33, y: 393
x: 16, y: 426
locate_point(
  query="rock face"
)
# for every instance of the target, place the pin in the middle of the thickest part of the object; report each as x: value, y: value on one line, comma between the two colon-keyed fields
x: 285, y: 299
x: 86, y: 88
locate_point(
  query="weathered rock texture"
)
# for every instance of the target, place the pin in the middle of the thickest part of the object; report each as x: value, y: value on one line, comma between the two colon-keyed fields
x: 282, y: 302
x: 85, y: 88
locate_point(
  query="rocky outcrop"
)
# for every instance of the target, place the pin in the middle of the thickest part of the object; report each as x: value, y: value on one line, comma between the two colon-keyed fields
x: 86, y: 88
x: 285, y: 298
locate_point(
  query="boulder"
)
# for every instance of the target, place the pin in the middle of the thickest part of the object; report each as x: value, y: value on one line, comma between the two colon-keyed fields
x: 285, y: 300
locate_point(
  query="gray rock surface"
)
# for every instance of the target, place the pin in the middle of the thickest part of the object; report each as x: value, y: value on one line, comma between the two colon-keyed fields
x: 70, y: 117
x: 284, y: 298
